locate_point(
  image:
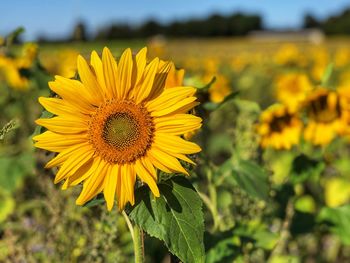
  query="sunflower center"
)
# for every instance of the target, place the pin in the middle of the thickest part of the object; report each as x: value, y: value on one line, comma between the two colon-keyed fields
x: 321, y: 111
x: 279, y: 123
x: 121, y: 131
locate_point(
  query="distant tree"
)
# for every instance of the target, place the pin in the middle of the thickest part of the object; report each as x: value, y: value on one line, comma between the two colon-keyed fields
x: 237, y: 24
x: 120, y: 31
x: 79, y: 32
x: 150, y: 28
x: 310, y: 22
x: 339, y: 24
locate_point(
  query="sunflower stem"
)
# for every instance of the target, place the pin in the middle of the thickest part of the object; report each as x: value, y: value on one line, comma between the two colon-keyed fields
x: 128, y: 223
x: 138, y: 245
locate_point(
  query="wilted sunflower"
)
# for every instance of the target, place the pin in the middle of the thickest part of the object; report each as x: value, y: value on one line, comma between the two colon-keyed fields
x: 279, y: 128
x: 119, y: 121
x: 326, y: 116
x: 292, y: 89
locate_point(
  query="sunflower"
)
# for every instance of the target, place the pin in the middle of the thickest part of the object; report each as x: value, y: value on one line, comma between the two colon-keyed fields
x: 11, y: 69
x: 289, y: 55
x: 326, y: 116
x: 292, y: 89
x: 175, y: 76
x: 219, y: 89
x: 117, y: 122
x: 62, y: 62
x: 279, y: 128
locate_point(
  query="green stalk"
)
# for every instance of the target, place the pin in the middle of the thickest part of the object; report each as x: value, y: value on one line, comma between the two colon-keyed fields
x: 138, y: 245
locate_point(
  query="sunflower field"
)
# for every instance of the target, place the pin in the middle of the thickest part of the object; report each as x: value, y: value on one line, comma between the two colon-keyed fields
x: 218, y: 150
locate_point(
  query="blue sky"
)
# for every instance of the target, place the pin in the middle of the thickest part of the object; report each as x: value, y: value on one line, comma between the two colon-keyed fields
x: 55, y: 18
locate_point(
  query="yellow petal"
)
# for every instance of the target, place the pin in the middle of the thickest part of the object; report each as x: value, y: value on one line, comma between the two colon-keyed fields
x: 170, y: 97
x: 58, y: 106
x: 73, y: 163
x: 128, y: 181
x: 55, y: 142
x: 185, y: 108
x: 183, y: 157
x: 64, y: 125
x: 121, y: 192
x: 97, y: 65
x: 74, y: 92
x: 177, y: 124
x: 147, y: 82
x: 111, y: 185
x: 64, y: 155
x: 167, y: 160
x: 175, y: 144
x: 89, y: 80
x: 147, y: 175
x: 159, y: 81
x: 110, y: 73
x: 173, y: 107
x: 81, y: 174
x: 124, y: 73
x: 158, y: 164
x: 94, y: 184
x: 141, y: 62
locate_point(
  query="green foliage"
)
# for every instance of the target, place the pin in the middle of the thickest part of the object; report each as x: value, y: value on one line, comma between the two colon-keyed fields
x: 175, y: 217
x: 249, y: 176
x: 7, y: 204
x: 304, y: 168
x: 327, y: 75
x: 11, y: 125
x: 98, y: 200
x: 14, y: 169
x: 339, y: 219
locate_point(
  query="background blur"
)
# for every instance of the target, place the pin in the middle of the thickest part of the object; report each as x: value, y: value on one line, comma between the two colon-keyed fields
x: 293, y: 203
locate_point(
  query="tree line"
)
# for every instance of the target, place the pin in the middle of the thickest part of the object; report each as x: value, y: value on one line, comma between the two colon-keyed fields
x: 236, y: 24
x: 338, y: 24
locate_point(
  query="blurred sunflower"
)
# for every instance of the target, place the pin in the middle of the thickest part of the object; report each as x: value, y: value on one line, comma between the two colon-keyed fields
x: 12, y: 68
x: 320, y: 58
x: 175, y: 76
x: 326, y: 116
x: 290, y: 55
x: 62, y: 62
x: 119, y: 121
x: 292, y: 89
x: 342, y: 57
x: 219, y: 89
x: 279, y: 128
x: 10, y: 73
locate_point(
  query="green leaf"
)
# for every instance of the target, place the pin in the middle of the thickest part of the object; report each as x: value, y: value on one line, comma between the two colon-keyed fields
x: 11, y: 125
x: 251, y: 178
x: 96, y: 201
x: 7, y: 204
x: 14, y: 169
x: 229, y: 97
x: 327, y: 75
x: 222, y: 247
x: 44, y: 115
x: 14, y: 35
x: 208, y: 85
x: 339, y: 218
x: 175, y: 217
x: 304, y: 168
x: 212, y: 106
